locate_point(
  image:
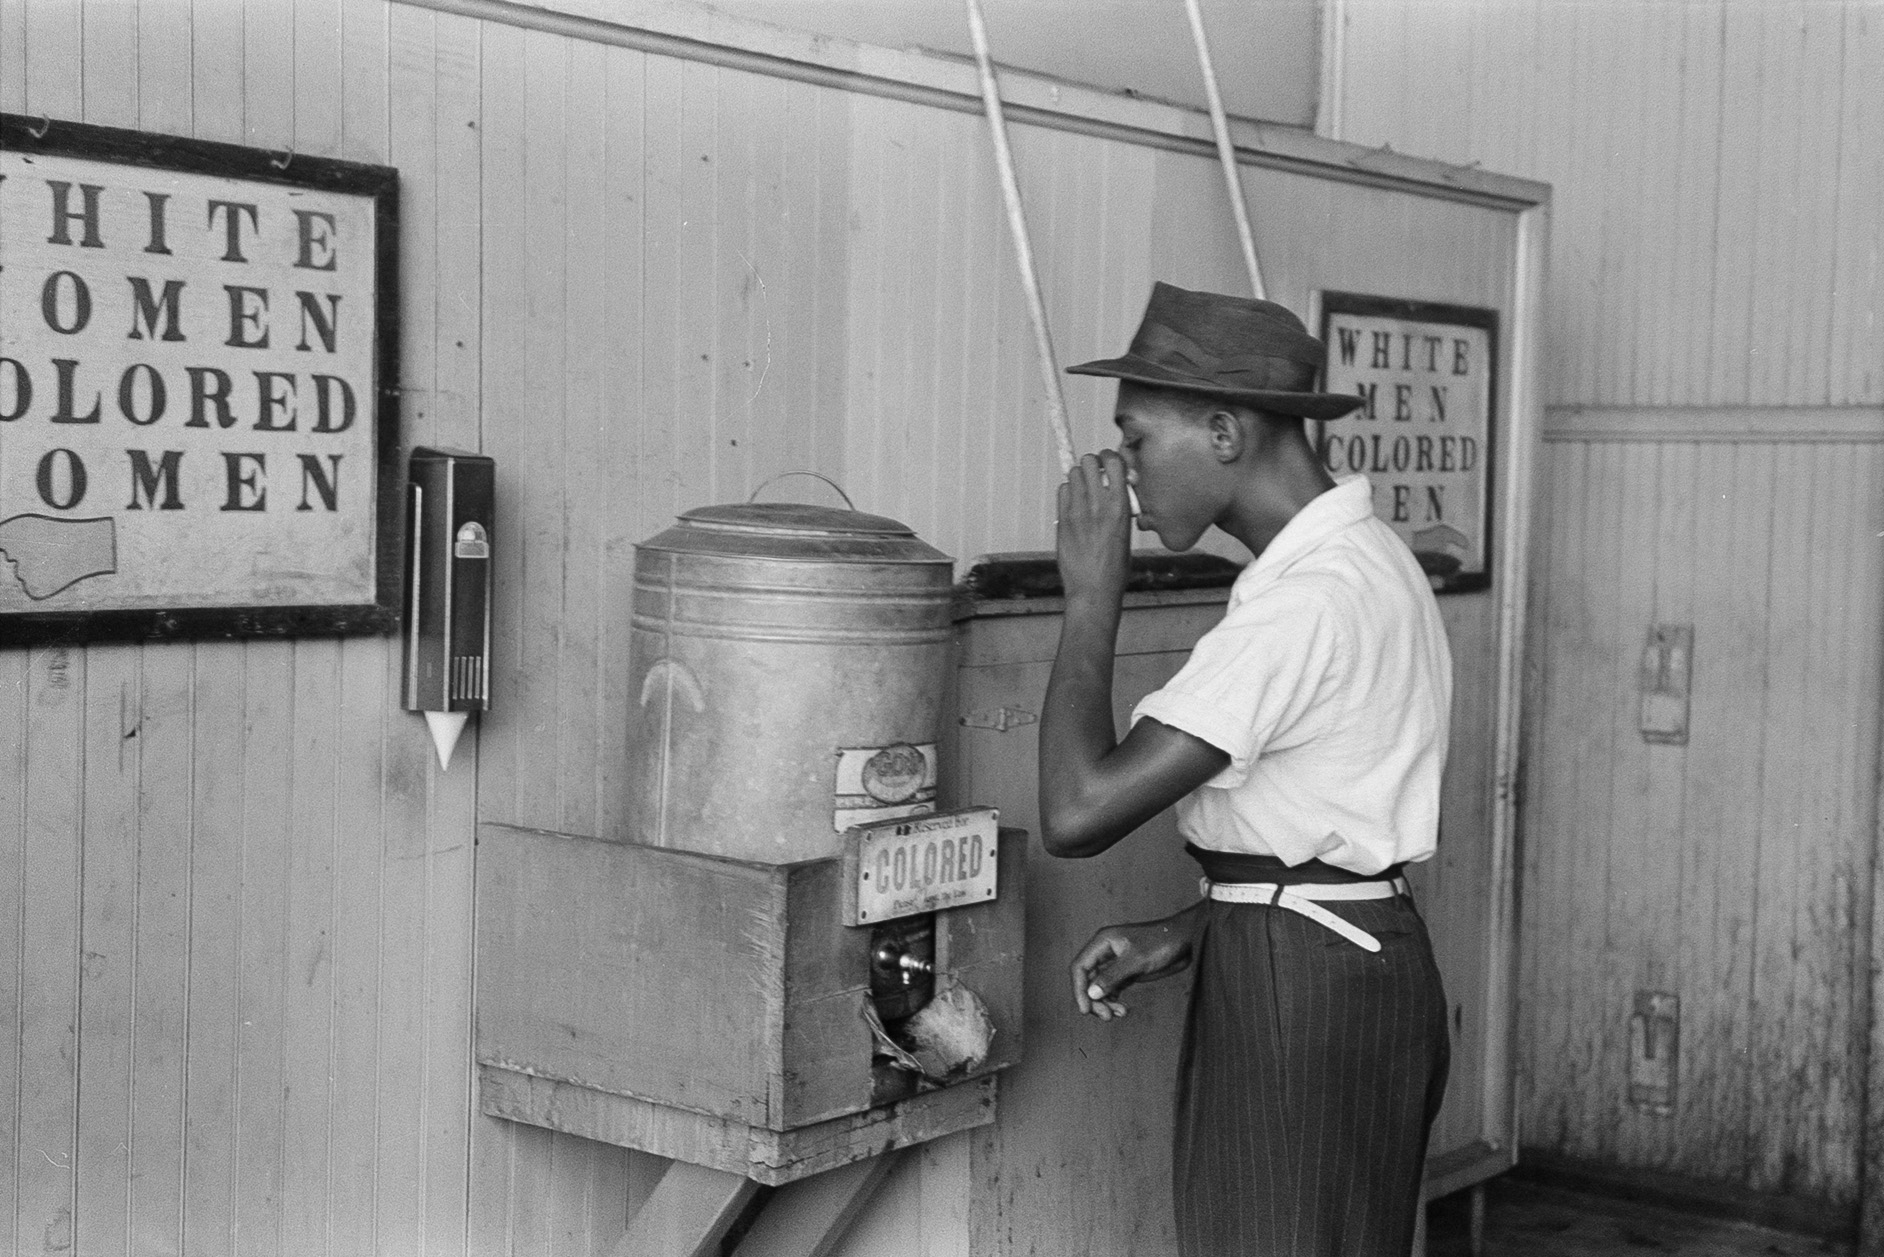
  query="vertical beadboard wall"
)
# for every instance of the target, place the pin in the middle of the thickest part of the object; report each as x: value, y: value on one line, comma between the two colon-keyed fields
x: 1716, y: 288
x: 235, y: 912
x: 1734, y: 871
x: 235, y: 890
x: 1717, y: 169
x: 1117, y: 218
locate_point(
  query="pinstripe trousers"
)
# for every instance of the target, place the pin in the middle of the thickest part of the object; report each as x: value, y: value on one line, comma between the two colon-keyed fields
x: 1310, y: 1076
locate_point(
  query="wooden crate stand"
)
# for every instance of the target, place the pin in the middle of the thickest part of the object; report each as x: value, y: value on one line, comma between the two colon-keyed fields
x: 711, y: 1009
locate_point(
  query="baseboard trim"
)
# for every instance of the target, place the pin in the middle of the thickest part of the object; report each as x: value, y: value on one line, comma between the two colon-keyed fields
x: 1818, y: 1218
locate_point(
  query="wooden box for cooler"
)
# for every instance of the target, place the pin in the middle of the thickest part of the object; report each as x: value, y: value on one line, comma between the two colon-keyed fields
x: 712, y: 1009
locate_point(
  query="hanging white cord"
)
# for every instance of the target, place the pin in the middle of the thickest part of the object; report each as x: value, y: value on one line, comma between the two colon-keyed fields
x: 1226, y: 153
x: 1017, y: 226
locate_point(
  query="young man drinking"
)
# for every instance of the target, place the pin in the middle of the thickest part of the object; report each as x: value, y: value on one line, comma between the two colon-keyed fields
x: 1302, y: 744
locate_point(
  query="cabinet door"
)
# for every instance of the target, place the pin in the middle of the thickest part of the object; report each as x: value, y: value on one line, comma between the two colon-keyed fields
x: 1081, y: 1145
x: 1079, y: 1159
x: 1464, y: 893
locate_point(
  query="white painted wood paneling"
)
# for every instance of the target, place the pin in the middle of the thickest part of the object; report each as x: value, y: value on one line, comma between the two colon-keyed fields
x: 1716, y: 172
x: 266, y: 956
x: 235, y: 889
x: 1714, y: 354
x: 1732, y: 871
x: 1266, y: 51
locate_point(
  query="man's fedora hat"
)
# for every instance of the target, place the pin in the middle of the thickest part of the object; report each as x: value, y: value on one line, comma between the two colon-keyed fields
x: 1238, y: 348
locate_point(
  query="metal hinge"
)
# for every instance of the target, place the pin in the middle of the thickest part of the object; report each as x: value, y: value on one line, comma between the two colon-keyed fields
x: 1001, y: 719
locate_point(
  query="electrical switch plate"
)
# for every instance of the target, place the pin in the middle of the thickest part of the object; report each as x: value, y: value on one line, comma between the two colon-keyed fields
x: 1667, y: 664
x: 1654, y: 1052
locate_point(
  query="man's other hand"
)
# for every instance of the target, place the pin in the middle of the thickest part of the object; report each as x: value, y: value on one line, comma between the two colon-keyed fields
x: 1120, y: 955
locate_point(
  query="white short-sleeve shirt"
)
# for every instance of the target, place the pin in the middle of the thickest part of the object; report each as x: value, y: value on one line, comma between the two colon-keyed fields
x: 1328, y: 682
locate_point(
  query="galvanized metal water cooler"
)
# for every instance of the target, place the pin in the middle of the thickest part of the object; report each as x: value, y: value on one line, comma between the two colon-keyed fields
x: 774, y: 971
x: 790, y: 663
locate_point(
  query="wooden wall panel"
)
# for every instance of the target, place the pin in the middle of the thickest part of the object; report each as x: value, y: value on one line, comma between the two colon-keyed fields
x: 160, y: 950
x: 52, y: 810
x: 1361, y: 240
x: 1716, y: 237
x: 1718, y: 946
x: 1718, y: 223
x: 235, y: 888
x: 503, y: 400
x: 433, y: 136
x: 1544, y: 986
x: 620, y: 467
x: 490, y: 1187
x: 1852, y: 334
x: 1646, y: 813
x: 13, y: 57
x: 267, y: 956
x: 107, y: 940
x: 214, y: 797
x: 942, y: 374
x: 586, y: 427
x: 308, y: 944
x: 1732, y: 871
x: 1060, y: 1170
x: 685, y: 372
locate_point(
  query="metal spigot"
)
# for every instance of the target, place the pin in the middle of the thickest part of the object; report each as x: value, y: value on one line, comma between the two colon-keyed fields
x: 888, y: 956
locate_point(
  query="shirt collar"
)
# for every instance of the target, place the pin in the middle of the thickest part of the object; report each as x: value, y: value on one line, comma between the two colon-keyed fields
x: 1331, y: 511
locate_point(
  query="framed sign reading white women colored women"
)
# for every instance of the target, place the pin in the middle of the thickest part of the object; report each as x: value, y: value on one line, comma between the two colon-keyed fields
x: 198, y: 348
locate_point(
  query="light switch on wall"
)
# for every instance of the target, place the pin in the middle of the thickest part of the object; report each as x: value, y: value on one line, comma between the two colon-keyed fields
x: 1667, y: 664
x: 1654, y: 1052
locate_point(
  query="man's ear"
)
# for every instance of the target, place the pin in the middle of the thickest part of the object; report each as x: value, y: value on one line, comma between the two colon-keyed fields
x: 1227, y: 436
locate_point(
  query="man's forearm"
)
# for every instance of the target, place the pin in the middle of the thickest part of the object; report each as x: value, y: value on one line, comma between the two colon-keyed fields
x: 1076, y: 727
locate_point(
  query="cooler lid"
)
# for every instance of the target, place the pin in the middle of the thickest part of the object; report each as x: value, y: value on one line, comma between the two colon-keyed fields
x: 795, y: 517
x: 795, y: 530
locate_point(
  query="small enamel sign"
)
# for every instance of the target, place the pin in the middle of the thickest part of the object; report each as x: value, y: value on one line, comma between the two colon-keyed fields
x: 902, y: 867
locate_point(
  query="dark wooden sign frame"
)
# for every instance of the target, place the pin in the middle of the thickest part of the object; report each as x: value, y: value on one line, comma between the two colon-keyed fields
x: 29, y: 135
x: 1435, y: 314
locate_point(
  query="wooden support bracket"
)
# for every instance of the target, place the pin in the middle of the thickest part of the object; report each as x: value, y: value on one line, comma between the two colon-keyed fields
x: 808, y: 1217
x: 692, y: 1208
x: 688, y: 1213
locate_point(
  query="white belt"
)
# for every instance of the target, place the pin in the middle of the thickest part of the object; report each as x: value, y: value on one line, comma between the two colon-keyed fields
x: 1302, y: 896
